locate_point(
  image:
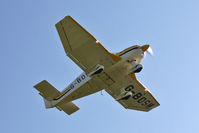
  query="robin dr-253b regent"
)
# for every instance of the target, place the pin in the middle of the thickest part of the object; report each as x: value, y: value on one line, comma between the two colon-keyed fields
x: 115, y: 73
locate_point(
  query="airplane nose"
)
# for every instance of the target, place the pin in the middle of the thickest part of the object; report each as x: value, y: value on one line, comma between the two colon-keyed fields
x: 145, y: 47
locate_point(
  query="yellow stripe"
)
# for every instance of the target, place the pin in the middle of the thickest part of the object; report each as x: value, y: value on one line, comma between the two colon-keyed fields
x: 116, y: 58
x: 133, y: 76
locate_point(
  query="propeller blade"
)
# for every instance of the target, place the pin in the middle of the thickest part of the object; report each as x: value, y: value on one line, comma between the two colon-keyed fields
x: 150, y: 51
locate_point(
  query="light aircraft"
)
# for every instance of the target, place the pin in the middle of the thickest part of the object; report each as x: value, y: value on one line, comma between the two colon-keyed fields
x: 114, y: 73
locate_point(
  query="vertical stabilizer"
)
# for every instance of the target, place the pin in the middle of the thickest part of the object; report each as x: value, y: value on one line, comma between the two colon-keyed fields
x: 48, y: 92
x: 47, y: 103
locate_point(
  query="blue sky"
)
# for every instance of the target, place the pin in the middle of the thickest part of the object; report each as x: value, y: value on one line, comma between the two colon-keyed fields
x: 31, y: 51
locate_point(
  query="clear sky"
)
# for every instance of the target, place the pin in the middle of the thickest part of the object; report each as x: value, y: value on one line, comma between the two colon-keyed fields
x: 31, y: 51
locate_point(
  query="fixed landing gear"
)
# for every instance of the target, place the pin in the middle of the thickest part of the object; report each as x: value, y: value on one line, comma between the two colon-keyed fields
x: 97, y: 70
x: 136, y: 67
x: 124, y: 96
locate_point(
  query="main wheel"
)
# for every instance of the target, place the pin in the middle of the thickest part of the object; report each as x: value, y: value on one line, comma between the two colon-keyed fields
x: 139, y: 68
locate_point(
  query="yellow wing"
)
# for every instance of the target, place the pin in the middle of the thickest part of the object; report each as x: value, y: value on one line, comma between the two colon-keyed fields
x: 141, y: 98
x: 82, y: 47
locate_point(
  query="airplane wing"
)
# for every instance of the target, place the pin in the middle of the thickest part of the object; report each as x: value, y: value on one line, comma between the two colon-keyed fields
x: 82, y: 47
x: 141, y: 98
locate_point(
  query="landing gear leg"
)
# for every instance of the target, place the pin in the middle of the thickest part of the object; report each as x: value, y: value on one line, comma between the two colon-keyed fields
x: 137, y: 67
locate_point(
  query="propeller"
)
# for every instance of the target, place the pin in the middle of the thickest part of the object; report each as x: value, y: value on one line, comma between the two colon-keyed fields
x: 148, y: 49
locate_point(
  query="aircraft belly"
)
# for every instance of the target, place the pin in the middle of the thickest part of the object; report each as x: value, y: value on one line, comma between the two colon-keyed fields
x: 92, y: 86
x: 111, y: 78
x: 82, y: 91
x: 117, y: 88
x: 118, y: 73
x: 105, y: 77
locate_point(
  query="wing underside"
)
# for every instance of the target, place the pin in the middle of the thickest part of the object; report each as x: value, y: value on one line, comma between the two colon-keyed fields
x: 141, y: 99
x: 82, y: 47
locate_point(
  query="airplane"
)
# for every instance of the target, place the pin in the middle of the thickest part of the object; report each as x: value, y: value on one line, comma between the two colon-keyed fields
x: 102, y: 70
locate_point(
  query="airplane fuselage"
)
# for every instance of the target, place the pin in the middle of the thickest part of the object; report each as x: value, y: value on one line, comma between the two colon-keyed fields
x: 115, y: 73
x: 129, y: 58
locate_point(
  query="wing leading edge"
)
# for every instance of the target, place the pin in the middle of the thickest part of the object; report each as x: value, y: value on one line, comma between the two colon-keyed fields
x: 82, y: 47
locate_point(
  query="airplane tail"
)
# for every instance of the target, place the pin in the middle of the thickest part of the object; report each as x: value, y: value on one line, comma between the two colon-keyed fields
x: 48, y: 92
x: 48, y: 104
x: 68, y: 108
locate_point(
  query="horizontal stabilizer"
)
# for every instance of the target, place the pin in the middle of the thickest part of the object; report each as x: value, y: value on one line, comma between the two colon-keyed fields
x: 68, y: 108
x: 46, y: 90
